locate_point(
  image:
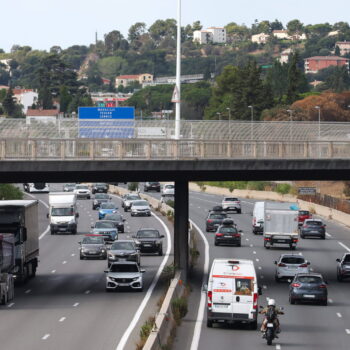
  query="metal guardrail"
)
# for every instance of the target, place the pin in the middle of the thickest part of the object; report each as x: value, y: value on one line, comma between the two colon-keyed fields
x: 96, y: 149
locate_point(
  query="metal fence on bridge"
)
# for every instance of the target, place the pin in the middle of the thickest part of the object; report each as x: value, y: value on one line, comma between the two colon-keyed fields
x: 194, y: 130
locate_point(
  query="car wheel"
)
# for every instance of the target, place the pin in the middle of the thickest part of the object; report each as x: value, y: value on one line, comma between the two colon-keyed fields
x: 122, y: 231
x: 339, y: 278
x: 132, y: 214
x: 125, y: 209
x: 291, y: 301
x: 216, y: 243
x: 209, y: 323
x: 239, y: 211
x: 88, y: 197
x: 52, y: 232
x: 81, y: 258
x: 160, y: 252
x: 109, y: 290
x: 254, y: 325
x: 239, y: 245
x: 302, y: 236
x: 277, y: 279
x: 145, y: 190
x: 324, y: 302
x: 323, y: 237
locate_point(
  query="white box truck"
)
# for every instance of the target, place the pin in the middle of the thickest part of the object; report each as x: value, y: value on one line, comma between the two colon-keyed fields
x: 63, y: 213
x: 281, y: 224
x: 258, y: 217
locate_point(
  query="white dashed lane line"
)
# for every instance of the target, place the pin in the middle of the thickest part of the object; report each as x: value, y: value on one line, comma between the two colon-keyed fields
x: 257, y: 260
x: 347, y: 331
x: 28, y: 291
x: 254, y: 252
x: 53, y: 271
x: 75, y: 305
x: 73, y: 254
x: 339, y: 315
x: 278, y: 347
x: 10, y: 305
x: 328, y: 235
x: 344, y: 246
x: 330, y: 301
x: 259, y: 267
x: 64, y: 262
x: 62, y: 319
x: 87, y: 292
x: 45, y: 336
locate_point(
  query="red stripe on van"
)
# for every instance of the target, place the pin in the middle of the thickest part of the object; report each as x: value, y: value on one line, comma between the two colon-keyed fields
x: 222, y: 290
x: 225, y: 276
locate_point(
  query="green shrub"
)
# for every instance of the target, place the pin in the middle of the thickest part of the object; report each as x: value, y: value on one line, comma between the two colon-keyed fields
x: 283, y: 188
x: 8, y: 191
x: 179, y: 308
x: 170, y: 202
x: 146, y: 329
x: 133, y: 186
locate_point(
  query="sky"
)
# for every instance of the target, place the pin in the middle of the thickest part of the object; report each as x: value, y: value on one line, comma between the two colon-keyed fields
x: 42, y: 24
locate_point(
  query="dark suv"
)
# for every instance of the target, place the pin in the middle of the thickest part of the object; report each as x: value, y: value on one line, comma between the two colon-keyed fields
x: 214, y: 220
x: 99, y: 188
x: 228, y: 234
x: 343, y: 268
x: 149, y: 240
x: 151, y: 186
x: 313, y: 228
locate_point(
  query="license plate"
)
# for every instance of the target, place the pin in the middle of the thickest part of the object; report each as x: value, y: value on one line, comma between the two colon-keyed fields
x: 228, y: 236
x: 270, y: 325
x: 308, y: 296
x: 122, y: 259
x: 291, y: 267
x: 147, y: 245
x: 314, y: 231
x: 281, y: 241
x: 123, y: 284
x: 61, y: 229
x: 221, y: 306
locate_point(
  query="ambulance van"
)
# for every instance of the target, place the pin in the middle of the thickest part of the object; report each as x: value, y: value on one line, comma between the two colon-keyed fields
x: 232, y: 292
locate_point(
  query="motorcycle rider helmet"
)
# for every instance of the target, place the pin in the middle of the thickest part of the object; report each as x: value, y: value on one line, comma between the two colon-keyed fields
x: 272, y: 302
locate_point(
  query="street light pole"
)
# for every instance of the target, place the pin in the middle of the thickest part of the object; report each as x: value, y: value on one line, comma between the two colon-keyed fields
x: 290, y: 123
x: 229, y: 120
x: 319, y: 121
x: 178, y: 72
x: 251, y: 121
x: 219, y: 114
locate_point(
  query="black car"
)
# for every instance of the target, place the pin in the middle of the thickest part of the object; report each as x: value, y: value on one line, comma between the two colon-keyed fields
x: 149, y: 240
x: 214, y: 220
x: 117, y: 219
x: 228, y: 234
x: 343, y: 268
x: 309, y: 287
x: 313, y: 228
x: 98, y: 199
x: 123, y: 251
x: 93, y: 246
x: 99, y: 188
x: 151, y: 186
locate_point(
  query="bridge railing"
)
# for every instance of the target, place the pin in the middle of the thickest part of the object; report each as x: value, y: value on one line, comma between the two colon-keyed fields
x: 90, y: 149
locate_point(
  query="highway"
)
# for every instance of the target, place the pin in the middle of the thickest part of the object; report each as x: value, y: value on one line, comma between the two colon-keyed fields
x: 303, y: 326
x: 65, y: 306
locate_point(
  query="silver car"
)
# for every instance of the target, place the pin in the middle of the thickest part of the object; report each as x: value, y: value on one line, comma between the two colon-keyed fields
x: 140, y: 208
x: 126, y: 274
x: 288, y: 265
x: 128, y: 199
x: 231, y: 204
x: 123, y: 250
x: 82, y: 191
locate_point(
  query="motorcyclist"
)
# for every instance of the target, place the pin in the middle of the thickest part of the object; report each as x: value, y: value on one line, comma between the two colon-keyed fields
x: 271, y: 312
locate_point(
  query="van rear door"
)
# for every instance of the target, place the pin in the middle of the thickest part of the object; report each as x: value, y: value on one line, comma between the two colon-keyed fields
x: 222, y: 300
x: 243, y: 295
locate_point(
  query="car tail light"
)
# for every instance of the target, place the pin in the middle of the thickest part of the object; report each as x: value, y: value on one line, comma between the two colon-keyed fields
x: 254, y: 221
x: 295, y: 240
x: 267, y: 238
x: 209, y: 221
x: 296, y: 285
x: 219, y: 234
x: 281, y: 265
x: 303, y: 265
x: 323, y: 226
x: 305, y: 226
x: 210, y: 295
x: 323, y: 286
x: 236, y: 235
x: 255, y: 301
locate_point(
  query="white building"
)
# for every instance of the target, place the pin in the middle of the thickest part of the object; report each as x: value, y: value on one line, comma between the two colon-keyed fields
x: 344, y: 47
x: 25, y: 97
x: 210, y: 35
x: 260, y: 38
x: 42, y: 115
x: 6, y: 64
x: 280, y: 34
x: 284, y: 57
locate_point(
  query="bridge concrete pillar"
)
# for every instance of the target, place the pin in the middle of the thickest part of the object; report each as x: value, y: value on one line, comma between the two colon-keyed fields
x: 181, y: 249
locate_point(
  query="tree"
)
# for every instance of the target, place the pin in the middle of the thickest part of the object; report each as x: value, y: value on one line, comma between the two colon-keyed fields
x: 337, y: 51
x: 9, y: 103
x: 10, y: 192
x: 136, y: 31
x: 115, y: 41
x: 112, y: 66
x: 339, y: 81
x: 295, y: 27
x: 294, y: 75
x: 163, y: 28
x: 65, y: 99
x: 276, y: 25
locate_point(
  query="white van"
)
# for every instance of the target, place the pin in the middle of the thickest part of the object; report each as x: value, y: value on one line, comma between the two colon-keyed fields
x: 258, y: 217
x: 232, y: 292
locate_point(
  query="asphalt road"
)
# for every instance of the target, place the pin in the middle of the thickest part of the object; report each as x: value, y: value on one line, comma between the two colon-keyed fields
x: 66, y: 306
x: 303, y: 326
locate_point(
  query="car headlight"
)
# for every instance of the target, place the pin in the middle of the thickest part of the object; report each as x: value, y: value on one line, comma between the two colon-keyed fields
x: 136, y: 278
x: 71, y: 222
x: 111, y: 256
x: 103, y: 250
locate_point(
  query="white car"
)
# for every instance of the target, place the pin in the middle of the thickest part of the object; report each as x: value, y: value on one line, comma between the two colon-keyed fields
x: 140, y: 208
x: 231, y: 204
x: 168, y: 189
x: 288, y: 265
x: 82, y: 191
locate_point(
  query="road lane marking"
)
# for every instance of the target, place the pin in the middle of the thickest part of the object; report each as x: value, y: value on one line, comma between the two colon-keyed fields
x: 64, y: 262
x: 73, y: 254
x: 247, y: 239
x: 257, y: 260
x: 10, y: 305
x: 344, y: 246
x: 61, y: 319
x: 328, y: 235
x: 28, y: 291
x: 259, y: 267
x: 339, y: 315
x: 251, y: 245
x: 202, y: 303
x: 262, y: 277
x: 347, y: 331
x: 75, y: 305
x: 278, y: 347
x: 311, y: 269
x: 45, y: 336
x: 149, y: 292
x: 330, y: 301
x: 254, y: 252
x: 264, y: 286
x: 53, y: 271
x: 87, y: 292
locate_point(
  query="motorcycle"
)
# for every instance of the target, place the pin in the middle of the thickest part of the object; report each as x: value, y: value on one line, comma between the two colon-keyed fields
x: 270, y: 332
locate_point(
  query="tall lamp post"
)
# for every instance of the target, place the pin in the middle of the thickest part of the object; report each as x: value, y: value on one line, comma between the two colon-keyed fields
x: 290, y: 123
x: 251, y: 121
x: 319, y: 121
x: 229, y: 120
x: 219, y: 114
x: 178, y: 73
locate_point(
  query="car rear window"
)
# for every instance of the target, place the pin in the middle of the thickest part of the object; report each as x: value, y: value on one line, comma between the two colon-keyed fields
x: 314, y: 223
x: 217, y: 216
x: 229, y: 199
x: 224, y: 229
x: 310, y: 279
x: 304, y: 212
x: 293, y: 260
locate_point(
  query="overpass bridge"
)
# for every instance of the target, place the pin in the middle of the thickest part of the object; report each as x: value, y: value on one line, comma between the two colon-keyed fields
x: 206, y: 151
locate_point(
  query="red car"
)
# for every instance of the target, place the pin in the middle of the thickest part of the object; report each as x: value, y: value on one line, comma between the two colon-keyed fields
x: 303, y: 215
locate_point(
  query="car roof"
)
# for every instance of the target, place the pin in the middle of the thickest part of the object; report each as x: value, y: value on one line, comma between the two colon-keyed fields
x: 147, y: 228
x: 124, y: 241
x: 313, y: 220
x: 311, y: 274
x: 124, y: 263
x: 291, y: 256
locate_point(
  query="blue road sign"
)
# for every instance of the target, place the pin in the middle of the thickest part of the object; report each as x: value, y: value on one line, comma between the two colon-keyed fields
x: 106, y: 113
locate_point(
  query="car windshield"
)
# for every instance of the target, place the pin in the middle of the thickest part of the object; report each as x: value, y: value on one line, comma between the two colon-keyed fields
x: 100, y: 185
x: 132, y: 197
x: 224, y: 229
x: 81, y: 187
x: 108, y: 206
x: 123, y: 246
x: 62, y: 212
x: 93, y: 240
x: 124, y: 268
x: 303, y: 212
x: 140, y: 203
x: 230, y: 199
x: 217, y: 216
x: 101, y: 196
x: 148, y: 234
x: 310, y: 279
x: 154, y: 183
x: 104, y: 224
x: 69, y: 185
x: 114, y: 217
x: 293, y: 260
x: 314, y: 223
x: 169, y: 186
x: 347, y: 258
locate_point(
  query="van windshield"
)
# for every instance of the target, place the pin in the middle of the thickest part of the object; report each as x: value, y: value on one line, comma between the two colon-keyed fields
x: 244, y: 286
x: 62, y: 212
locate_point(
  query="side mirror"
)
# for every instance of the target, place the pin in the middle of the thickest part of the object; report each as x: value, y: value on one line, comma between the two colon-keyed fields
x: 76, y: 215
x: 326, y: 282
x: 47, y: 215
x: 161, y: 236
x: 261, y: 307
x: 204, y: 288
x: 282, y: 308
x: 124, y: 220
x: 79, y: 242
x: 92, y: 226
x: 259, y: 291
x: 240, y: 231
x: 308, y: 263
x: 106, y: 271
x: 142, y: 271
x: 275, y: 262
x: 338, y: 260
